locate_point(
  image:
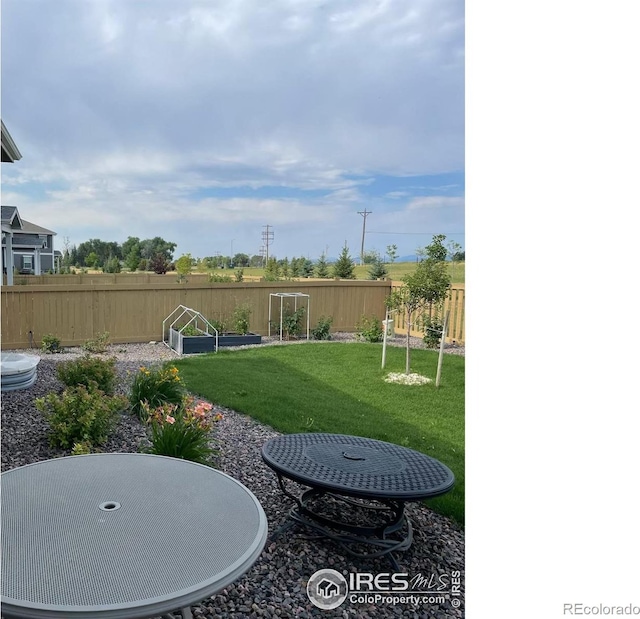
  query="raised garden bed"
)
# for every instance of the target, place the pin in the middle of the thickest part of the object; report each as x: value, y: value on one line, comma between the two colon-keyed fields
x: 238, y: 339
x: 191, y: 344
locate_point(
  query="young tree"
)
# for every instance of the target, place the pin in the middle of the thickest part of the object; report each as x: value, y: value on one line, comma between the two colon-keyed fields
x: 378, y: 270
x: 307, y: 267
x: 392, y: 252
x: 271, y: 271
x: 112, y: 265
x: 184, y: 264
x: 321, y: 268
x: 344, y: 266
x: 159, y: 264
x: 426, y: 288
x: 91, y: 259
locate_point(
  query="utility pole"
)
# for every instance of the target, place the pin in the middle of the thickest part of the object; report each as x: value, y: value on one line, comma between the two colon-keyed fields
x: 364, y: 225
x: 267, y: 236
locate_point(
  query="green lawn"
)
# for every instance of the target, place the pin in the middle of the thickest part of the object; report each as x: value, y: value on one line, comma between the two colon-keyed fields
x: 331, y: 387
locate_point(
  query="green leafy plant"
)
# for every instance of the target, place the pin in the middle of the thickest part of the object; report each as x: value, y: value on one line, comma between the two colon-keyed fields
x: 155, y: 386
x: 292, y: 323
x: 369, y: 328
x: 82, y: 448
x: 219, y: 325
x: 239, y: 275
x: 321, y: 330
x: 432, y: 327
x: 217, y: 278
x: 80, y: 414
x: 182, y: 430
x: 87, y: 371
x: 98, y: 344
x: 241, y: 315
x: 51, y: 344
x: 190, y: 330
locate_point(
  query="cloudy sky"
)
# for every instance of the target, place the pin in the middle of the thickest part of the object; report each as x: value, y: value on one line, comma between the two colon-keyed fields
x: 204, y: 121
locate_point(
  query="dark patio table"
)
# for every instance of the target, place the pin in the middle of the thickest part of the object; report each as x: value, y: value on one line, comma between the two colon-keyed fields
x: 122, y: 536
x: 364, y: 473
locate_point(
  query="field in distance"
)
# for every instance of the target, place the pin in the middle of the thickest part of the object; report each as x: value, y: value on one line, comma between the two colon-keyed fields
x: 397, y: 270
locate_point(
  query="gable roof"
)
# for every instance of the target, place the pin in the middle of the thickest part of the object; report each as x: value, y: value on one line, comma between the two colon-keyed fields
x: 11, y: 217
x: 32, y: 228
x: 10, y: 152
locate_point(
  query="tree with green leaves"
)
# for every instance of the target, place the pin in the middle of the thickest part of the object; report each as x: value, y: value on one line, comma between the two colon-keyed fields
x: 377, y: 269
x: 321, y: 267
x: 150, y: 247
x: 272, y: 271
x: 184, y: 264
x: 344, y: 267
x: 423, y: 290
x: 392, y: 252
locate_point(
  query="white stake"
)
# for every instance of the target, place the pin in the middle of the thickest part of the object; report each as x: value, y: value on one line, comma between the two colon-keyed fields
x: 444, y: 331
x: 384, y: 339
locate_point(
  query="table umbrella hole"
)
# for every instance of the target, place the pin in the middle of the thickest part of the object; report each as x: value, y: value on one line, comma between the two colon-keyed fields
x: 109, y: 506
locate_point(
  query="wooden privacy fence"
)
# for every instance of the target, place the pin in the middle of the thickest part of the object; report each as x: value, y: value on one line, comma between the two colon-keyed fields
x: 454, y: 304
x: 134, y: 312
x: 113, y: 278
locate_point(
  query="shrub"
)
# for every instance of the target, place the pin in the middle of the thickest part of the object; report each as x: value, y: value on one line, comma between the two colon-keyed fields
x: 369, y: 328
x: 82, y: 448
x: 291, y: 323
x: 241, y: 315
x: 432, y: 327
x: 219, y: 325
x: 321, y: 330
x: 80, y: 415
x: 98, y: 344
x: 158, y: 264
x: 155, y: 386
x: 239, y: 275
x: 88, y: 370
x: 182, y: 430
x: 51, y: 344
x: 214, y: 277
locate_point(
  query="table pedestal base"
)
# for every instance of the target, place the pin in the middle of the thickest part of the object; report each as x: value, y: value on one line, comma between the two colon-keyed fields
x: 392, y: 533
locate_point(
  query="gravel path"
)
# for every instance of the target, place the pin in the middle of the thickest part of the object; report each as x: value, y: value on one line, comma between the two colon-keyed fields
x: 276, y: 585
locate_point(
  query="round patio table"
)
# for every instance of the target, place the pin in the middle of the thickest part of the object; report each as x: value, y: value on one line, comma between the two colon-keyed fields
x: 122, y: 535
x: 373, y: 476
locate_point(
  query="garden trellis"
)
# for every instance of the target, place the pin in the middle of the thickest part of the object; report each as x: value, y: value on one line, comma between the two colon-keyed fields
x: 288, y: 295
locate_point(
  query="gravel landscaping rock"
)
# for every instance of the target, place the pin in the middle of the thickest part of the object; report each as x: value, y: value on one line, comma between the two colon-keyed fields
x: 276, y: 585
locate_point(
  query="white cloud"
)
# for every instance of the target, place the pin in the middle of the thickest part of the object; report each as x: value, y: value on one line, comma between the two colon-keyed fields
x: 130, y: 113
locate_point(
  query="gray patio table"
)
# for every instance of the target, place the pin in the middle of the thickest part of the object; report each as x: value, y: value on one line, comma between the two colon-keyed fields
x: 122, y: 536
x: 369, y: 477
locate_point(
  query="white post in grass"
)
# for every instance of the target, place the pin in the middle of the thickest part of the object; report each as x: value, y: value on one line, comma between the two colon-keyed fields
x: 444, y: 331
x: 384, y: 339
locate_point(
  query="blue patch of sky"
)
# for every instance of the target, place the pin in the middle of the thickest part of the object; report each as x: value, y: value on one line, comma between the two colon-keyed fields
x: 264, y: 192
x: 449, y: 184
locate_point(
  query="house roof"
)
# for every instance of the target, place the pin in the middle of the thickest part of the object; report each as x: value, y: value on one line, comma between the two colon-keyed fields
x: 26, y: 240
x: 32, y: 228
x: 11, y: 217
x: 10, y: 152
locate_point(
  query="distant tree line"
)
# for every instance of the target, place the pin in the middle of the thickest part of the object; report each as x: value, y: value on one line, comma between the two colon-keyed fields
x: 156, y: 255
